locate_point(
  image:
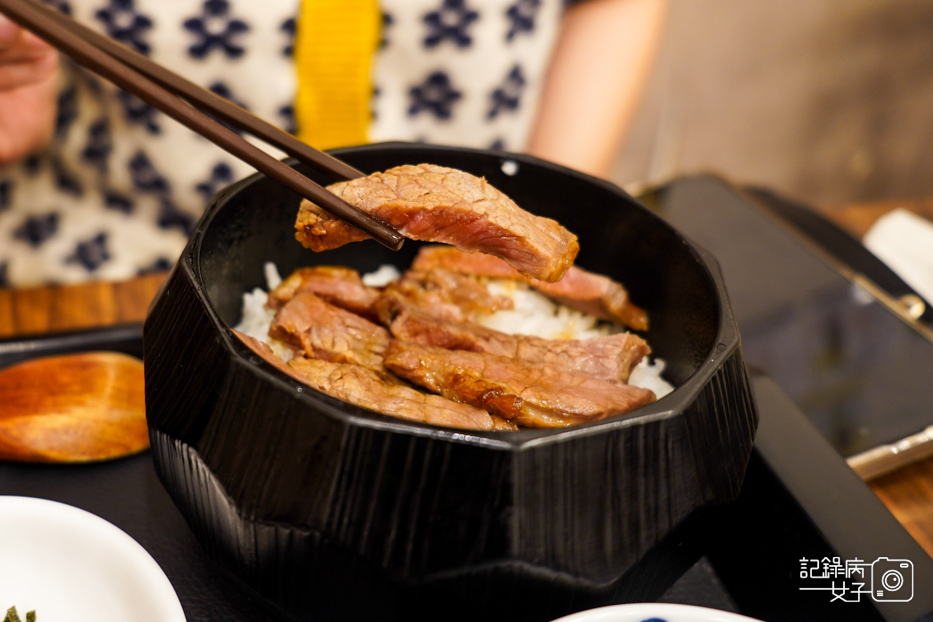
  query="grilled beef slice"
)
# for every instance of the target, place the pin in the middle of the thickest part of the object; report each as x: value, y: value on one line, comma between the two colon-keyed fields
x: 340, y: 286
x: 608, y: 358
x: 586, y: 291
x: 379, y: 391
x: 536, y: 395
x: 323, y: 331
x: 439, y: 204
x: 443, y: 293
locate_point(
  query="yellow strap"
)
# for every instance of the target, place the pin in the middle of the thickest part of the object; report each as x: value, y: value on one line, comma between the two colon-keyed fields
x: 334, y: 48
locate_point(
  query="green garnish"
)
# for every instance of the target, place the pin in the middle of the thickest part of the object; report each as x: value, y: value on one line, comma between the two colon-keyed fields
x: 12, y: 616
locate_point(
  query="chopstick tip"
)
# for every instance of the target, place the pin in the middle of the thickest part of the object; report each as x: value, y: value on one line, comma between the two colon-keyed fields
x: 393, y: 242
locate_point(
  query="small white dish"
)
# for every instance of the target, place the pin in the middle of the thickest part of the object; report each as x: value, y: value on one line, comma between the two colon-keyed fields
x: 68, y: 564
x: 654, y: 612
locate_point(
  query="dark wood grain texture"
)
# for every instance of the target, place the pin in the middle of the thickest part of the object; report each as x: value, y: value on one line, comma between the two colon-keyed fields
x: 908, y: 493
x: 858, y: 218
x: 67, y: 307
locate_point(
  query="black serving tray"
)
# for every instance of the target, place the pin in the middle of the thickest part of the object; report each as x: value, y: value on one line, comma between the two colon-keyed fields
x: 125, y: 338
x: 799, y: 501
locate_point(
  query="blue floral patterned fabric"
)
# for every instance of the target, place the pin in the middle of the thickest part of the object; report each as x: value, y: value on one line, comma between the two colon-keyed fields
x: 120, y: 187
x: 462, y: 72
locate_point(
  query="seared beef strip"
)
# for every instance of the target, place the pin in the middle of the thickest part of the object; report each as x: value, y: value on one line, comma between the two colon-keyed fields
x: 324, y: 331
x: 384, y: 393
x: 439, y: 204
x: 530, y: 395
x: 608, y: 358
x: 340, y: 286
x: 380, y: 392
x: 444, y: 293
x: 586, y: 291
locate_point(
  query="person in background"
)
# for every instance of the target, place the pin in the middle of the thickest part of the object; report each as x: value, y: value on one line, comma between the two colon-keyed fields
x: 96, y: 184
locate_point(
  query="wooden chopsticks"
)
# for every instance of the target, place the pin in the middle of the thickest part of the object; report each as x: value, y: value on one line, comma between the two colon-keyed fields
x: 189, y: 104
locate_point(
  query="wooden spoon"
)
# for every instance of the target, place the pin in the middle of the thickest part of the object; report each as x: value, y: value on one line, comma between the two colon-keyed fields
x: 73, y: 408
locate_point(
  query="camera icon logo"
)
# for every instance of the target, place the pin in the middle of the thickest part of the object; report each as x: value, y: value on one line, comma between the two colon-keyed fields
x: 892, y: 580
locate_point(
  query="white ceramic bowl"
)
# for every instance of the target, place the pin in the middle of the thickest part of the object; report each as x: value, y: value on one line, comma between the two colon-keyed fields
x: 654, y: 612
x: 67, y: 564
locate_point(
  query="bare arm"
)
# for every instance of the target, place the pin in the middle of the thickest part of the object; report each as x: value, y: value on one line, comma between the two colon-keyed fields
x: 598, y: 71
x: 28, y: 91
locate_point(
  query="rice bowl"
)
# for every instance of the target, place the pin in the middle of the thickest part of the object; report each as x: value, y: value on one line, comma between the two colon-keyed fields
x: 310, y: 501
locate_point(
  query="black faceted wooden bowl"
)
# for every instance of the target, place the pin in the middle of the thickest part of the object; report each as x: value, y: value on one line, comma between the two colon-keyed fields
x: 332, y: 512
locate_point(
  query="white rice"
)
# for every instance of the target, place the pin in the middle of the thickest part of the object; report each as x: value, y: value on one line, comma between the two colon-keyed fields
x: 533, y: 314
x: 647, y: 375
x: 256, y: 318
x: 536, y: 314
x: 382, y: 276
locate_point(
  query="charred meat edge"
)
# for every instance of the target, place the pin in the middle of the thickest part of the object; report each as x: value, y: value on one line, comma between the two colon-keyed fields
x: 580, y: 289
x: 324, y: 331
x: 608, y: 358
x: 445, y: 293
x: 340, y: 286
x: 528, y: 395
x: 382, y: 393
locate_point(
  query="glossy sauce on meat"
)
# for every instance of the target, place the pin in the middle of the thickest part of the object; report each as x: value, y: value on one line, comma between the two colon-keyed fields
x: 529, y: 394
x: 375, y: 347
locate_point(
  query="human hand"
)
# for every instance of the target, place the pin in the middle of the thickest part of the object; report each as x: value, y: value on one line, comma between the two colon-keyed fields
x: 28, y: 91
x: 599, y: 69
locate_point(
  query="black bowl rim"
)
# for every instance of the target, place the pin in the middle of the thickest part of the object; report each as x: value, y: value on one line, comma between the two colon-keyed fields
x: 673, y: 404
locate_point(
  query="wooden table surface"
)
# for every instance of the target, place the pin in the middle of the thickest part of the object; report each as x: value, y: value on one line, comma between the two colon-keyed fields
x: 907, y: 492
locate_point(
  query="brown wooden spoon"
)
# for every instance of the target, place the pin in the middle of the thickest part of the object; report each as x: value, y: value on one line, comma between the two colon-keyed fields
x: 73, y: 408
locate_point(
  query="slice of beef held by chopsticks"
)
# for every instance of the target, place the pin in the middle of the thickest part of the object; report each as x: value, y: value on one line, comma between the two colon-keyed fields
x: 340, y: 286
x: 324, y: 331
x: 528, y: 395
x: 439, y: 204
x: 443, y: 293
x: 379, y: 391
x: 582, y: 290
x: 609, y: 358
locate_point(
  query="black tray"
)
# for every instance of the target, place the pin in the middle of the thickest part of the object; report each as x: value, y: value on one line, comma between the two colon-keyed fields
x: 749, y: 563
x: 799, y: 501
